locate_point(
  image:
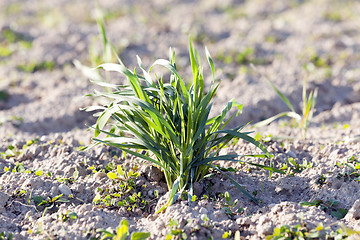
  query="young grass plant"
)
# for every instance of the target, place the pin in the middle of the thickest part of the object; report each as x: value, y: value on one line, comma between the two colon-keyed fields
x: 170, y: 122
x: 96, y: 58
x: 302, y: 120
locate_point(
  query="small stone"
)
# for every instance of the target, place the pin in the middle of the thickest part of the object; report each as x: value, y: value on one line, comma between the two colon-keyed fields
x: 35, y: 150
x: 85, y: 208
x: 100, y: 175
x: 243, y: 221
x: 182, y: 223
x: 203, y: 210
x: 291, y: 154
x: 354, y: 212
x: 265, y: 229
x: 219, y: 215
x: 3, y: 199
x: 53, y: 191
x: 44, y: 138
x: 276, y: 209
x: 27, y: 154
x: 355, y: 236
x: 263, y: 220
x: 64, y: 189
x: 154, y: 173
x: 198, y: 188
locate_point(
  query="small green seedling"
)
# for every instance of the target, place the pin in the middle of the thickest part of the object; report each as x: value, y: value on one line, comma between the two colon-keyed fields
x: 68, y: 180
x: 67, y: 216
x: 36, y: 66
x: 229, y: 206
x: 97, y: 59
x: 322, y: 180
x: 329, y: 206
x: 13, y: 151
x: 124, y: 192
x: 8, y: 236
x: 302, y: 120
x: 227, y: 234
x: 302, y: 232
x: 122, y: 233
x: 292, y: 167
x: 351, y: 169
x: 175, y: 231
x: 5, y: 51
x: 48, y: 202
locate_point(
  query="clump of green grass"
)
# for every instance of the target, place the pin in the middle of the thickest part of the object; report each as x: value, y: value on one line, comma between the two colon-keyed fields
x: 302, y: 120
x: 170, y: 122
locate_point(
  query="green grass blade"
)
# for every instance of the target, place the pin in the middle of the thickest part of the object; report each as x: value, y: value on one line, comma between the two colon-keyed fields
x: 146, y: 74
x: 271, y: 169
x: 246, y: 138
x: 172, y: 194
x: 168, y: 65
x: 281, y: 95
x: 211, y: 62
x: 237, y: 185
x: 277, y: 116
x: 194, y: 64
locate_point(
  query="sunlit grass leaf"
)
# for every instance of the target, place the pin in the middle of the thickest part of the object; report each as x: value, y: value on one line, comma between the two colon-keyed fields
x: 139, y: 235
x: 122, y: 231
x: 111, y: 175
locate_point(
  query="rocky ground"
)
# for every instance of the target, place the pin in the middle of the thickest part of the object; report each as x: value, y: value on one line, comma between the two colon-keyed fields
x: 42, y: 128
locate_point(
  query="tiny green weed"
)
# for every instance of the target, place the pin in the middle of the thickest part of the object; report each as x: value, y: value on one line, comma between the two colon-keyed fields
x: 228, y: 234
x: 170, y: 122
x: 48, y: 203
x: 351, y: 169
x: 121, y: 233
x: 292, y: 167
x: 67, y: 216
x: 98, y: 58
x: 6, y: 236
x: 302, y: 120
x: 175, y: 231
x: 229, y: 206
x: 123, y: 192
x: 8, y: 37
x: 5, y: 51
x: 329, y: 206
x: 301, y: 232
x: 13, y: 151
x: 36, y: 66
x: 68, y: 180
